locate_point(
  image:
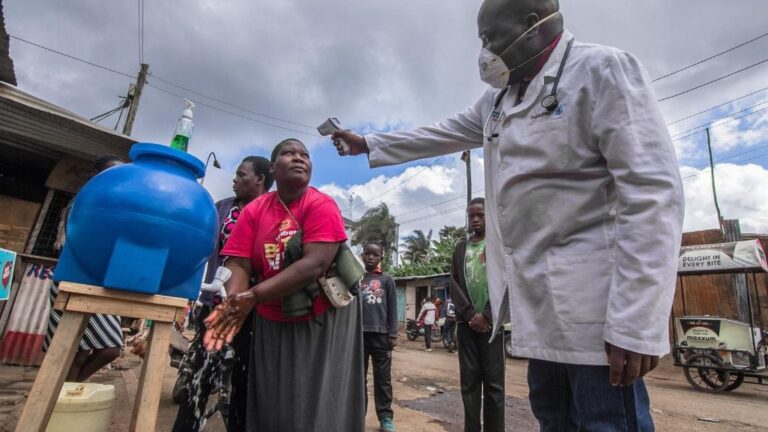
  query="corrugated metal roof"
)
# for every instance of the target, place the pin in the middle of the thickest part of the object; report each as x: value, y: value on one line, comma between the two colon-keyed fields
x: 34, y: 124
x: 412, y: 278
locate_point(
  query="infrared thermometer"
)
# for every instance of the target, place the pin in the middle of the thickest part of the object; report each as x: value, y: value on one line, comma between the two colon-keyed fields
x: 329, y: 127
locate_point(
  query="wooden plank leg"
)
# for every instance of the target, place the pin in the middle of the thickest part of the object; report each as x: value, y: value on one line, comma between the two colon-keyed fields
x: 151, y: 380
x: 50, y: 378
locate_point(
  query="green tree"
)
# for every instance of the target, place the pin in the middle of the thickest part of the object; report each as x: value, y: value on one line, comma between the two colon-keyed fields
x: 376, y: 225
x: 438, y: 260
x: 416, y: 246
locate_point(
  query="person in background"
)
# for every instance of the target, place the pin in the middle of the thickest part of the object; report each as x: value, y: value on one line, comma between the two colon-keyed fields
x: 481, y: 358
x: 427, y: 319
x: 252, y: 179
x: 379, y: 298
x: 102, y: 341
x: 306, y: 372
x: 449, y: 328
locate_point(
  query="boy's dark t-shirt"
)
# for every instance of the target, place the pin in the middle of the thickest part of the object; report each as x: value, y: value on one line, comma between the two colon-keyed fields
x: 379, y: 297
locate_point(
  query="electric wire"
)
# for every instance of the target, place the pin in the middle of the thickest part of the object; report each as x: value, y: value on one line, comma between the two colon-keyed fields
x: 397, y: 185
x: 106, y: 114
x: 712, y: 123
x: 718, y: 106
x: 713, y: 81
x: 215, y: 108
x: 185, y: 89
x: 709, y: 58
x: 719, y: 124
x: 72, y: 57
x: 223, y: 102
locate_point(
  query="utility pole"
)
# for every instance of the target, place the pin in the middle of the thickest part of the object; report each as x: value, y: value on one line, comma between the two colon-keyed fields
x: 714, y: 189
x: 134, y: 95
x: 466, y: 157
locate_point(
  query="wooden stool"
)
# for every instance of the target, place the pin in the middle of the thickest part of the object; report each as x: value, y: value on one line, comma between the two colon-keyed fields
x: 79, y: 302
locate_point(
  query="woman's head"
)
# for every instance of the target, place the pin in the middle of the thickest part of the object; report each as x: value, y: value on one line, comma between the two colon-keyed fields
x: 291, y: 165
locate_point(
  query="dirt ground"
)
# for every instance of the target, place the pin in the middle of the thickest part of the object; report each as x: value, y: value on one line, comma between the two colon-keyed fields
x: 427, y: 398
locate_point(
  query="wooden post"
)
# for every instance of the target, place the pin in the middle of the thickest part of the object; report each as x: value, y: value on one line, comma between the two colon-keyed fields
x: 78, y: 302
x: 53, y: 372
x: 134, y: 99
x: 150, y: 382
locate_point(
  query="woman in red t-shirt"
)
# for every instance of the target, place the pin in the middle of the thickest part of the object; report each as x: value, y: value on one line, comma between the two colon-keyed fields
x: 306, y: 372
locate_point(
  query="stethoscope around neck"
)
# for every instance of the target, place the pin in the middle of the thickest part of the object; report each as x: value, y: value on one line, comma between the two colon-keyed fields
x: 549, y: 103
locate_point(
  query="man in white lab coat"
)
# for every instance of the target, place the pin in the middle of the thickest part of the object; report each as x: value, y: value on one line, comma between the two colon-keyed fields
x: 585, y: 211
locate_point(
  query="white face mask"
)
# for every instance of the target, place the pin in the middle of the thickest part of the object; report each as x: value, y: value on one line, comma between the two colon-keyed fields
x: 494, y: 71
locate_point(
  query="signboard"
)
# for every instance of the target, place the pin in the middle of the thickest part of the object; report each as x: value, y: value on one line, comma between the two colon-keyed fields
x: 743, y: 256
x: 7, y: 263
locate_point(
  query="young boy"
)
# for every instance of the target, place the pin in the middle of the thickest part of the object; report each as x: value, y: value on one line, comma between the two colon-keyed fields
x: 379, y: 298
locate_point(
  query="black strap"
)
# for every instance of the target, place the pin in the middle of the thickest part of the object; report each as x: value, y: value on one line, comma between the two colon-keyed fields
x: 560, y: 69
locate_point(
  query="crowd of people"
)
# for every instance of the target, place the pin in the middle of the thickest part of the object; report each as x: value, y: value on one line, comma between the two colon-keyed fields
x: 577, y: 251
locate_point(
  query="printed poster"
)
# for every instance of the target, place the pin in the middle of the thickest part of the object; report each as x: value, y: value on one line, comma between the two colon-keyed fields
x: 7, y: 263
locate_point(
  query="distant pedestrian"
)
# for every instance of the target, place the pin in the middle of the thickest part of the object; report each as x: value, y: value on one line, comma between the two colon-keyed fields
x: 379, y: 298
x: 481, y: 361
x: 449, y: 328
x: 427, y: 319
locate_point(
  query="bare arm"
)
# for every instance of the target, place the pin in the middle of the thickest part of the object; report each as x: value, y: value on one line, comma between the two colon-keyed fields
x: 229, y: 316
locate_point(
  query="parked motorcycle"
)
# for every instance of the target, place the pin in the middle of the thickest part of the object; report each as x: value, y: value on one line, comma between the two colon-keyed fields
x: 414, y: 329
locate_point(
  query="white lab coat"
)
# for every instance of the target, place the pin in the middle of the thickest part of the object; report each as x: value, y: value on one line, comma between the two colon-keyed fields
x: 584, y: 207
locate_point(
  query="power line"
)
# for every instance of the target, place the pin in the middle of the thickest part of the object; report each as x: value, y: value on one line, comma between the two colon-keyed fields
x: 720, y: 124
x: 213, y: 107
x: 462, y: 196
x: 444, y: 212
x: 709, y: 58
x: 713, y: 81
x: 223, y: 102
x: 718, y: 106
x: 396, y: 186
x: 185, y: 89
x: 711, y: 123
x: 730, y: 157
x: 73, y: 57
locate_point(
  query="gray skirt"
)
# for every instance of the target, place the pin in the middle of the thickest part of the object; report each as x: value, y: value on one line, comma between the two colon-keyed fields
x: 308, y: 376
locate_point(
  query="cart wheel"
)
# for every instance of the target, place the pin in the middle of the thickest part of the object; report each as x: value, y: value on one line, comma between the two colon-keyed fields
x: 737, y: 379
x: 705, y: 378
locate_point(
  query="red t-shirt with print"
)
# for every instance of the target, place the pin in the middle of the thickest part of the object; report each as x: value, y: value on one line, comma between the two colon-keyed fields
x: 264, y: 227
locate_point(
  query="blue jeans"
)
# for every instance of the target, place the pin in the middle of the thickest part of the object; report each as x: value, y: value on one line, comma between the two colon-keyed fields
x: 566, y: 397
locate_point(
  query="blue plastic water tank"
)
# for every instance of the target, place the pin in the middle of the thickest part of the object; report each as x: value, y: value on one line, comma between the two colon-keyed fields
x: 147, y: 226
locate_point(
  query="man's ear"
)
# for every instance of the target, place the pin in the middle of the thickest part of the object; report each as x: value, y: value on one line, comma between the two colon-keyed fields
x: 531, y: 21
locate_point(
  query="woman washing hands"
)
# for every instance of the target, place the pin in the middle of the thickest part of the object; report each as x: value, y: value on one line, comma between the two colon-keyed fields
x: 306, y: 372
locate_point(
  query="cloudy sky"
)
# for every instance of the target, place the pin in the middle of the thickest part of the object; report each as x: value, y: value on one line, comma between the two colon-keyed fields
x: 268, y: 70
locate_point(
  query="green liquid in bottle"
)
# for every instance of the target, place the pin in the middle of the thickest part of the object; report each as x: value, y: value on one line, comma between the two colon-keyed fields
x: 180, y: 142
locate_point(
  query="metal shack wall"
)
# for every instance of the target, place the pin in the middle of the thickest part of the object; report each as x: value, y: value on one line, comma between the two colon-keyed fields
x: 22, y: 342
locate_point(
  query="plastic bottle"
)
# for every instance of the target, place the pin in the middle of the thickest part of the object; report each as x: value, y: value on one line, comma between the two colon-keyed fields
x: 183, y: 128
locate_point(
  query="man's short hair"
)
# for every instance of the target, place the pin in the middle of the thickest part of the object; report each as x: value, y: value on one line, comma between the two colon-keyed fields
x: 374, y: 243
x: 261, y: 166
x: 478, y: 200
x: 280, y: 145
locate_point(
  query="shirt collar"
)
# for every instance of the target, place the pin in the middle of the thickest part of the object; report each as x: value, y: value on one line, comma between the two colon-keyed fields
x: 552, y: 64
x: 542, y: 60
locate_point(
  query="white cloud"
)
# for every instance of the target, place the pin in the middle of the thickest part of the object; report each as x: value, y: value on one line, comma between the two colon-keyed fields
x: 421, y: 197
x: 741, y: 194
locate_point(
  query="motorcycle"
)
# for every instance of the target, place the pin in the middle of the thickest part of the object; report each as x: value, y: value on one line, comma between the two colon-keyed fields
x: 185, y: 357
x: 414, y: 329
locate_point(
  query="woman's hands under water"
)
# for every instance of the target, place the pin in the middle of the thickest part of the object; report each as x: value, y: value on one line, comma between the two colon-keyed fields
x: 226, y: 320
